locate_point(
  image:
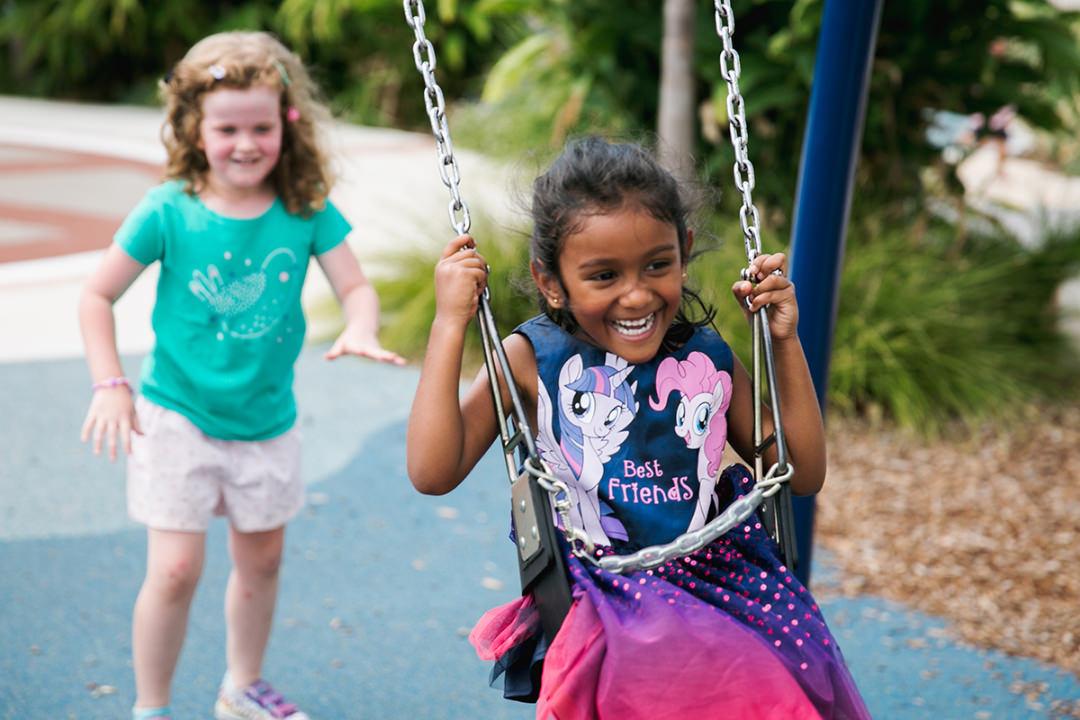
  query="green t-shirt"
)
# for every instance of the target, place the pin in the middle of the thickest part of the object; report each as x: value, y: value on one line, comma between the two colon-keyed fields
x: 227, y: 319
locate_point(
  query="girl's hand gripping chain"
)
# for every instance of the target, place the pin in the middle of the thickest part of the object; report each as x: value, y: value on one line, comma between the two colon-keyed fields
x: 803, y: 428
x: 460, y: 279
x: 770, y: 287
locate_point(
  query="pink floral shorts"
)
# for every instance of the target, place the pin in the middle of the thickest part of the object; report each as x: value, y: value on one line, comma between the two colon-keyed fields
x: 178, y: 478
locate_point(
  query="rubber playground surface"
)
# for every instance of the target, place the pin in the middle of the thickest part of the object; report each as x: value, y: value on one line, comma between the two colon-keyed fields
x: 380, y: 584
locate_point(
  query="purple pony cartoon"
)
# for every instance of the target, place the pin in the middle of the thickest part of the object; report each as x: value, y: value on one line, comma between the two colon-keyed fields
x: 700, y: 419
x: 595, y: 406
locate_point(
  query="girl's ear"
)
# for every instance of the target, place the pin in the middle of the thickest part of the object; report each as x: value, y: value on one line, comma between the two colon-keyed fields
x: 546, y: 281
x: 689, y: 246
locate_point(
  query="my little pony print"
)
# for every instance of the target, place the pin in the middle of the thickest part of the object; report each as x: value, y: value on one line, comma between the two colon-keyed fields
x: 700, y: 420
x: 596, y: 404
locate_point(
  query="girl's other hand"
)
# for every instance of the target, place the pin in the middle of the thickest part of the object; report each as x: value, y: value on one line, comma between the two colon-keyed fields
x: 772, y: 289
x: 362, y: 343
x: 460, y: 278
x: 111, y: 419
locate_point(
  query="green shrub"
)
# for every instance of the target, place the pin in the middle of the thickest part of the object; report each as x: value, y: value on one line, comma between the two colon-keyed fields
x: 927, y: 334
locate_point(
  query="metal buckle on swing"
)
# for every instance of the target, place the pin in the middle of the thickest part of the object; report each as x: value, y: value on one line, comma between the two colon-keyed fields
x: 526, y: 526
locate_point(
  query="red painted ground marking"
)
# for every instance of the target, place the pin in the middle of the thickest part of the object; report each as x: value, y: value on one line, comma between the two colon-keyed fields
x: 67, y: 231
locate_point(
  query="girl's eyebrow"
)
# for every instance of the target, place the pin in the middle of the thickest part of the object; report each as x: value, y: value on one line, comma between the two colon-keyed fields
x: 594, y: 262
x: 657, y: 250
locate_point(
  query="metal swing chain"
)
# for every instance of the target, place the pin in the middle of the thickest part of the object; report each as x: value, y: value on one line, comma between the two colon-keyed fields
x: 774, y: 480
x: 514, y: 431
x: 424, y: 57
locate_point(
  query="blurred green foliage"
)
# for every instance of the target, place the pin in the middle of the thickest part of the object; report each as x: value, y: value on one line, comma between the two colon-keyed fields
x: 591, y: 66
x: 360, y: 50
x: 534, y: 71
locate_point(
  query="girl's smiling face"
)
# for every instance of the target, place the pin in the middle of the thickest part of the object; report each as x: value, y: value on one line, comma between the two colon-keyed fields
x: 622, y: 279
x: 240, y: 134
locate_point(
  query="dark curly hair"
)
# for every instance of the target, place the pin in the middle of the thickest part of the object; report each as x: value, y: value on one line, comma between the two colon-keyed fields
x: 595, y: 176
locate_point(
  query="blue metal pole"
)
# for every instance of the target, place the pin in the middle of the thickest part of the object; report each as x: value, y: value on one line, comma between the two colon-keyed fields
x: 823, y: 197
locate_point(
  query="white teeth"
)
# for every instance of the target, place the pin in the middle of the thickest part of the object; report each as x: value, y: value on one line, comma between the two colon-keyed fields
x: 633, y: 328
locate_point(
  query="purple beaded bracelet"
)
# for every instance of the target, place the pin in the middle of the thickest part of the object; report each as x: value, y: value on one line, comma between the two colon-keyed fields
x: 111, y: 383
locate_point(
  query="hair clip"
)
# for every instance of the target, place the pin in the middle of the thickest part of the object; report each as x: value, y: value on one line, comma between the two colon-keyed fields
x: 217, y: 72
x: 281, y: 71
x: 292, y: 114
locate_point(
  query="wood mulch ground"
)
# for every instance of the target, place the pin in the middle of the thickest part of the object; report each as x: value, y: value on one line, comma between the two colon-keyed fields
x: 983, y: 530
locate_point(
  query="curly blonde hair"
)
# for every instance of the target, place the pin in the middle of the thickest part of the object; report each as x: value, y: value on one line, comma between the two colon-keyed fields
x: 240, y: 60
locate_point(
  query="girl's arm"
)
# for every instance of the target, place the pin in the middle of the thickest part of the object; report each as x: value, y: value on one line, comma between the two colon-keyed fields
x: 111, y: 416
x: 360, y: 305
x: 447, y: 435
x: 804, y: 430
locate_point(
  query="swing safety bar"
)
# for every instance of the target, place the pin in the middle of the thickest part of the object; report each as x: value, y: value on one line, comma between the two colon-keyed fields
x: 535, y: 491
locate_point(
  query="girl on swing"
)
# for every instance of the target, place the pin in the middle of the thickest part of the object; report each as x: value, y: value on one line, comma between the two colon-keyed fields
x: 633, y: 396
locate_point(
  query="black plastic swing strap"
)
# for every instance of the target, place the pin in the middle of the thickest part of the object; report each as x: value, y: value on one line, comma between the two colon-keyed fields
x: 543, y: 573
x: 540, y: 556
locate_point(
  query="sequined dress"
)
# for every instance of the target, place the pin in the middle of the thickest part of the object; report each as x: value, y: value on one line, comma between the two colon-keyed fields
x: 727, y: 632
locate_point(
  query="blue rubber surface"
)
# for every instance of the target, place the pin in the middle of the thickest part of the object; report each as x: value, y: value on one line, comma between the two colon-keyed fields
x: 380, y: 584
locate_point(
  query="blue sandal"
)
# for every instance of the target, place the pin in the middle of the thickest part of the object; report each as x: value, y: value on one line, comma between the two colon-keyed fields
x: 162, y: 713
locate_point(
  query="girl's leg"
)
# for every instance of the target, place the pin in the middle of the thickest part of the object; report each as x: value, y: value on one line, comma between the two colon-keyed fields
x: 174, y: 562
x: 250, y: 599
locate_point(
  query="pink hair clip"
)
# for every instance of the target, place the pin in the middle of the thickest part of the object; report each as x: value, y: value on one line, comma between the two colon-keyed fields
x: 292, y: 114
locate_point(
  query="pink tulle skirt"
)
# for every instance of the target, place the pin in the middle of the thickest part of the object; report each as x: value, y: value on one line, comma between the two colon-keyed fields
x: 727, y: 632
x: 680, y: 663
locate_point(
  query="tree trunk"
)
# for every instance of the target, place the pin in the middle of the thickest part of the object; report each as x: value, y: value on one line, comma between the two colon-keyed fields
x: 675, y: 119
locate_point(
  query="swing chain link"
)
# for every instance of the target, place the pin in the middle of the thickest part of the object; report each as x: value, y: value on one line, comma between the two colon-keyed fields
x: 689, y: 542
x: 435, y: 103
x: 559, y: 491
x: 654, y: 555
x: 730, y: 70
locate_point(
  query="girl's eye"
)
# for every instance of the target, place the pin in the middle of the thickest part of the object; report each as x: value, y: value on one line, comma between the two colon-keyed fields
x: 582, y: 406
x: 660, y: 265
x: 701, y: 419
x: 263, y: 129
x: 602, y: 276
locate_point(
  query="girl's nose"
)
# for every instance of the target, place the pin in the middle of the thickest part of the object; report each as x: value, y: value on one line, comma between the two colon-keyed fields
x: 637, y: 294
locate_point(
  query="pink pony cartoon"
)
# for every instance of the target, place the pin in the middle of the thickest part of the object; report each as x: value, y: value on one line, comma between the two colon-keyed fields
x: 700, y: 420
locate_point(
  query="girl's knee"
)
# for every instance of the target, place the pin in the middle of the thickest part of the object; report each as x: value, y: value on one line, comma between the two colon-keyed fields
x: 258, y: 556
x: 175, y: 579
x: 174, y: 563
x: 262, y: 566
